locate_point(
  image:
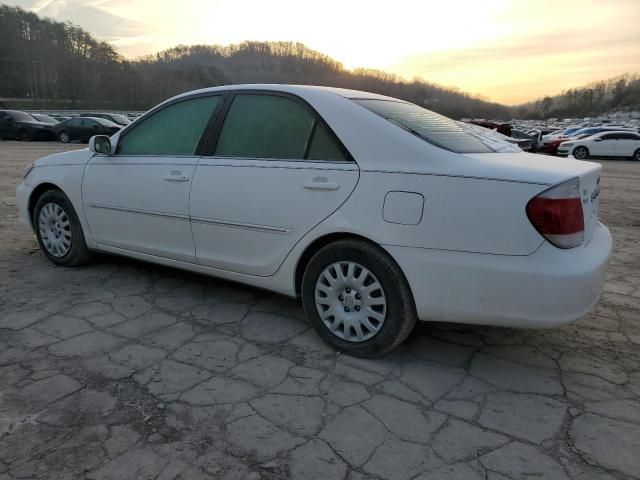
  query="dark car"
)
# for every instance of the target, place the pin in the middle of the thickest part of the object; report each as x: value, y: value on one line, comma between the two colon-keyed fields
x: 83, y: 128
x: 112, y: 117
x: 531, y: 140
x: 503, y: 128
x: 22, y: 126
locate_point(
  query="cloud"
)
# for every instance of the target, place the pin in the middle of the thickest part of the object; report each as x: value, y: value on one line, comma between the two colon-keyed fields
x: 90, y: 15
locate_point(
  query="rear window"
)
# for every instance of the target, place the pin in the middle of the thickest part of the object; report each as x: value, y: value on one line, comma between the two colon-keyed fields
x: 435, y: 128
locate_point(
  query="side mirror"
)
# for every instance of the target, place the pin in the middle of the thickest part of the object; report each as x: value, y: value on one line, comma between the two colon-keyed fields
x: 100, y: 144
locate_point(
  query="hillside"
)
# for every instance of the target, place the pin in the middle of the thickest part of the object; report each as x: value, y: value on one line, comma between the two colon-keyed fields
x: 49, y: 64
x: 618, y: 93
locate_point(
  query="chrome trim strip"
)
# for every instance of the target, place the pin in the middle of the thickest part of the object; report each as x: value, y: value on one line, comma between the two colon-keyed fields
x: 246, y: 226
x: 205, y: 221
x: 142, y: 212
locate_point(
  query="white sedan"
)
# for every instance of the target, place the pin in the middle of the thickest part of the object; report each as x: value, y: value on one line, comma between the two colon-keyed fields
x: 375, y: 211
x: 605, y: 144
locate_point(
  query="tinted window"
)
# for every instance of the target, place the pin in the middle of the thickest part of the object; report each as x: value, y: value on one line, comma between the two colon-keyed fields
x: 628, y: 136
x: 430, y: 126
x: 20, y: 116
x: 75, y: 122
x: 265, y: 126
x: 174, y: 130
x: 323, y: 146
x: 610, y: 136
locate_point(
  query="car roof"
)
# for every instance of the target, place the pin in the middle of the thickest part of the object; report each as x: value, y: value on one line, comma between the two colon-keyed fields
x: 295, y: 89
x: 606, y: 132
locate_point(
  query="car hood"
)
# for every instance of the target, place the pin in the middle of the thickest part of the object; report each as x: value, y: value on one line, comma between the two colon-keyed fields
x: 75, y: 157
x: 528, y: 167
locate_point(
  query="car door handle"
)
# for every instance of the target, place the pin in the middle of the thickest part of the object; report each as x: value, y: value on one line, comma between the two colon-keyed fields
x: 176, y: 176
x: 321, y: 183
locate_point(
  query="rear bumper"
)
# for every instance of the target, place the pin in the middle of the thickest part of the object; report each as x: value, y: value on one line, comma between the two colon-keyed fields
x: 548, y: 288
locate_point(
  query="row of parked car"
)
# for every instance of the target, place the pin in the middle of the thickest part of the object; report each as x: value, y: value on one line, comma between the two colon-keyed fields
x: 578, y: 140
x: 24, y: 126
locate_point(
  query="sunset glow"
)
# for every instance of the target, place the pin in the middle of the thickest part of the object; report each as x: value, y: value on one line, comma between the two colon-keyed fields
x: 506, y: 51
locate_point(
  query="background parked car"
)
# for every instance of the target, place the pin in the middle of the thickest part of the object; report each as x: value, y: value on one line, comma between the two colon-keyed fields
x: 605, y: 144
x: 22, y: 126
x: 552, y: 146
x: 527, y: 141
x: 83, y: 128
x: 112, y: 117
x: 44, y: 118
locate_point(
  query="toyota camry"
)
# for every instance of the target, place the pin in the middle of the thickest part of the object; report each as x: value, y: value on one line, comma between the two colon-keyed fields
x: 375, y: 211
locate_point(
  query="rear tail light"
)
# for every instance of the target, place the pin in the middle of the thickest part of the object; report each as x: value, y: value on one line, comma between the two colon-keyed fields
x: 557, y: 214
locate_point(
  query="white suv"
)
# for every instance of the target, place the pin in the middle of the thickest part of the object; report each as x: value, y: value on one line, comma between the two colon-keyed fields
x: 604, y: 144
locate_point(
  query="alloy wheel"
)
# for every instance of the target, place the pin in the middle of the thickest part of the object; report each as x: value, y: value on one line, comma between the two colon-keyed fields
x: 350, y: 301
x: 580, y: 153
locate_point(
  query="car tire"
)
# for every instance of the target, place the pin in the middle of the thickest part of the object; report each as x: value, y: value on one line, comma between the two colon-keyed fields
x: 580, y: 153
x: 636, y: 155
x: 58, y: 229
x: 24, y: 136
x: 370, y: 291
x: 64, y: 137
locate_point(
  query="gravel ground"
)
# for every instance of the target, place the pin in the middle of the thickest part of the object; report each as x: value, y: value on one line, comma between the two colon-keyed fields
x: 125, y: 370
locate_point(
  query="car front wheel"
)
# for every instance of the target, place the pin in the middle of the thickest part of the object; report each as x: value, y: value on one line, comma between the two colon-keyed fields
x: 24, y: 136
x: 64, y: 137
x: 580, y: 153
x: 357, y: 298
x: 636, y: 155
x: 59, y: 231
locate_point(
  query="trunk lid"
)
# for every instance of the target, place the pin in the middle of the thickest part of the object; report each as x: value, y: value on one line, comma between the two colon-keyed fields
x: 547, y: 170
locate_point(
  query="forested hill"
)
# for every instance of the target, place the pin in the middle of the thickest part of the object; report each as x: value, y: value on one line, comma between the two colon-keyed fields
x: 618, y: 93
x: 49, y: 64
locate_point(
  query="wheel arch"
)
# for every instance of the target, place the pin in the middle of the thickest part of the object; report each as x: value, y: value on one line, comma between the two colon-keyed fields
x: 37, y: 193
x: 320, y: 242
x: 581, y: 146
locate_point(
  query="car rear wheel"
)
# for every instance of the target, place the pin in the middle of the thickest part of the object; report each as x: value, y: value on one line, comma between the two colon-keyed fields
x: 59, y: 231
x: 64, y: 137
x: 580, y: 153
x: 357, y: 298
x: 24, y: 135
x: 636, y: 155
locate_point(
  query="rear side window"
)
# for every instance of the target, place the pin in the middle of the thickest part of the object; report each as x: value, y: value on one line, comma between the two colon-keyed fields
x: 430, y: 126
x: 610, y: 136
x: 174, y: 130
x: 628, y: 136
x: 323, y: 146
x: 276, y: 127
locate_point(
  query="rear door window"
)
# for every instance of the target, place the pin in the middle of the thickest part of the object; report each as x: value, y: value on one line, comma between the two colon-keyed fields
x: 274, y: 127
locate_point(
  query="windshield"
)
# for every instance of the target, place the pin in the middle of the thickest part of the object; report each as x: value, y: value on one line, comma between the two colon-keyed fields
x: 44, y: 118
x: 121, y: 119
x: 105, y: 122
x: 437, y: 129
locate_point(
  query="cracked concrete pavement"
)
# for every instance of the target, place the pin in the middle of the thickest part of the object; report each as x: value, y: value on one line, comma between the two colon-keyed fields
x: 125, y: 370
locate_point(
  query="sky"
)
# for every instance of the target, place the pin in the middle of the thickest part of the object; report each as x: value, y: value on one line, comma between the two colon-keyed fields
x: 505, y: 51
